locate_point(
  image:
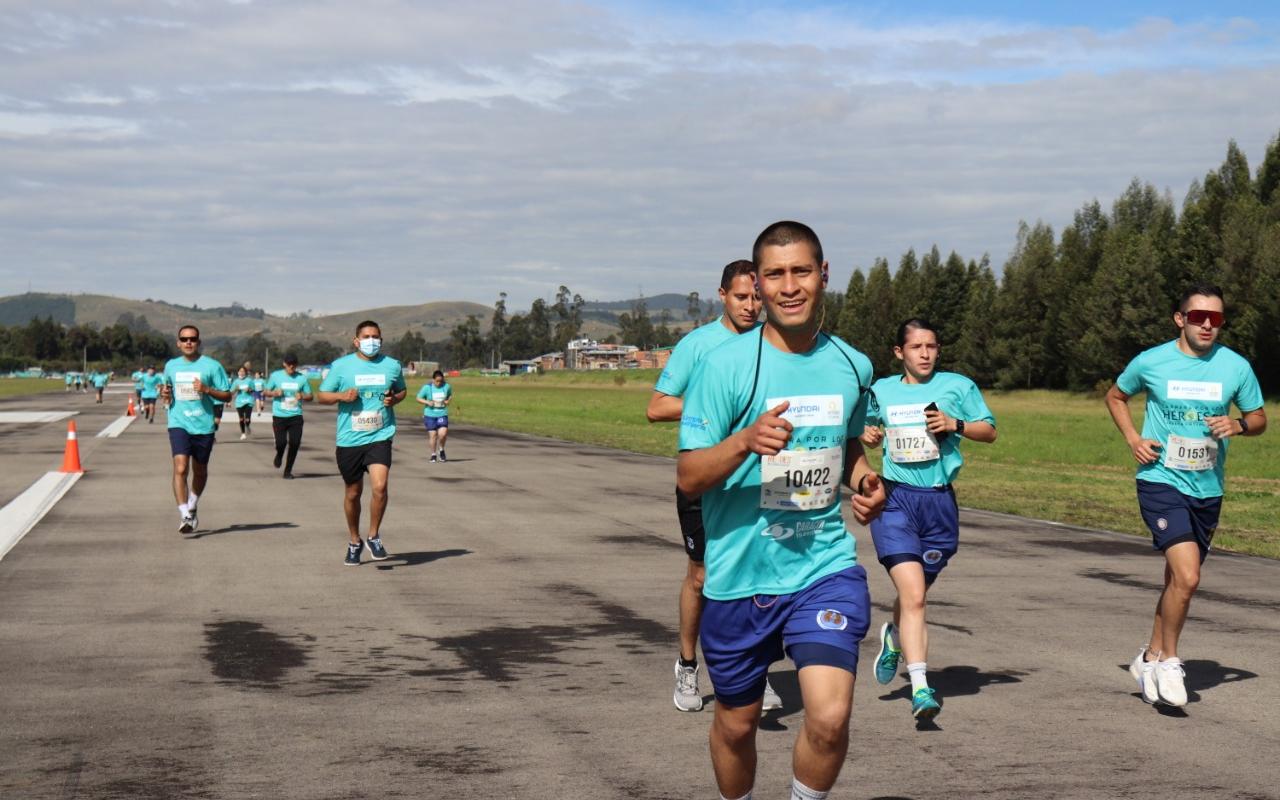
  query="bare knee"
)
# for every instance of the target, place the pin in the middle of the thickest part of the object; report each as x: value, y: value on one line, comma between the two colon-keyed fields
x: 1185, y: 581
x: 736, y: 729
x: 379, y: 492
x: 827, y: 729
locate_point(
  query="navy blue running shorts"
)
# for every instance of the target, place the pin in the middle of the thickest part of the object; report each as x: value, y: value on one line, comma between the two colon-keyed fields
x: 435, y: 423
x: 921, y: 525
x: 198, y: 446
x: 1174, y: 517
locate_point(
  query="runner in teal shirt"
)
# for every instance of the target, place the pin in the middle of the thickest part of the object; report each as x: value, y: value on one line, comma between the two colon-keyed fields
x: 768, y: 435
x: 435, y: 397
x: 150, y: 383
x: 193, y: 384
x: 288, y: 389
x: 100, y: 381
x: 920, y: 417
x: 245, y: 397
x: 1190, y: 384
x: 741, y: 311
x: 366, y: 386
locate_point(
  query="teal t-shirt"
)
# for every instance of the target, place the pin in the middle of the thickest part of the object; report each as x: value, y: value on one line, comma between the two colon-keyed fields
x: 151, y: 386
x: 774, y: 525
x: 259, y: 384
x: 191, y: 411
x: 1181, y: 391
x: 100, y: 380
x: 688, y: 353
x: 912, y: 455
x: 243, y: 388
x: 69, y: 378
x: 137, y: 379
x: 436, y: 394
x: 365, y: 420
x: 295, y: 387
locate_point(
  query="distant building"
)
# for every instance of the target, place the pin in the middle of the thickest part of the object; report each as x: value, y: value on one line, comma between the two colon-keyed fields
x: 590, y: 354
x: 550, y: 361
x: 653, y: 359
x: 521, y: 366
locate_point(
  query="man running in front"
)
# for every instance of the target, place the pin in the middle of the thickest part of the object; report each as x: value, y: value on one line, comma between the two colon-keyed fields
x: 193, y: 385
x: 768, y: 433
x: 1191, y: 383
x: 366, y: 385
x: 288, y: 389
x: 925, y: 414
x: 741, y: 310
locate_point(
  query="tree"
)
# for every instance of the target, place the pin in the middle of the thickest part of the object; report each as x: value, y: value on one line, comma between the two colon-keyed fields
x: 908, y: 290
x: 637, y: 328
x: 970, y: 355
x: 498, y: 327
x: 1021, y: 310
x: 568, y: 310
x: 877, y: 325
x: 694, y: 308
x: 855, y: 296
x: 467, y: 343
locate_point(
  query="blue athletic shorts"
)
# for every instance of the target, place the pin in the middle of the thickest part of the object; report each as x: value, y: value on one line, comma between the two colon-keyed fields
x: 1174, y: 517
x: 435, y: 423
x: 821, y: 624
x: 197, y: 445
x: 921, y: 525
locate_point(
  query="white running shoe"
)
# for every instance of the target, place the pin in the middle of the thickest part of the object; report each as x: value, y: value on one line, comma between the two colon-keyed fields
x: 1144, y: 672
x: 771, y: 699
x: 1169, y: 675
x: 244, y: 436
x: 687, y: 696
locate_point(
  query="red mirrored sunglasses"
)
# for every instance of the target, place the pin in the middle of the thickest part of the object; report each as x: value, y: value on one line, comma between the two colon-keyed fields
x: 1199, y: 317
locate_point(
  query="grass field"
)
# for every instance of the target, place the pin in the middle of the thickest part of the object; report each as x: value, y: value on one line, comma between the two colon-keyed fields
x: 13, y: 387
x: 1058, y: 456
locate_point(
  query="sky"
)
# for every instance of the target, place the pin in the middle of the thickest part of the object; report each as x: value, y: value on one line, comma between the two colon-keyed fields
x: 331, y: 156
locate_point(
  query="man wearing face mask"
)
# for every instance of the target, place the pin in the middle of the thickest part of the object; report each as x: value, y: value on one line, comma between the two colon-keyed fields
x: 366, y: 385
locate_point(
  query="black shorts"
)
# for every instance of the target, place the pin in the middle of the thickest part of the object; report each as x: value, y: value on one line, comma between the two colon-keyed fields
x: 353, y: 462
x: 198, y: 446
x: 689, y: 509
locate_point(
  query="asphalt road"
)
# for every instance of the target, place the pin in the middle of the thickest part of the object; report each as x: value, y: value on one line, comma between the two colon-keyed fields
x: 519, y: 643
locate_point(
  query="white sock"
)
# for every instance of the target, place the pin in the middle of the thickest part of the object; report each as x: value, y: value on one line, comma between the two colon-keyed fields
x: 192, y: 499
x: 746, y: 796
x: 184, y: 510
x: 801, y: 792
x: 917, y: 673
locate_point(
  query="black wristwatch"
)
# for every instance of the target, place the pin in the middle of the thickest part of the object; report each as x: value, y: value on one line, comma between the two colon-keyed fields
x: 1244, y: 426
x: 959, y: 427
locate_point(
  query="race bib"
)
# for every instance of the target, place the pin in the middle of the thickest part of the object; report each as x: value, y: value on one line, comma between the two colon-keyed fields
x: 910, y: 445
x: 811, y: 411
x: 367, y: 421
x: 801, y: 480
x: 1190, y: 453
x: 183, y: 386
x: 289, y: 403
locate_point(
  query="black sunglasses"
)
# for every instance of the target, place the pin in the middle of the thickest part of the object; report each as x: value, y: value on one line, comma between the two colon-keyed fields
x: 188, y: 338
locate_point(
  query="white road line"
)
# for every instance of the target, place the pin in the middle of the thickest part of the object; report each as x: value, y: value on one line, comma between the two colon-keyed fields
x: 28, y: 508
x: 116, y: 427
x: 28, y: 417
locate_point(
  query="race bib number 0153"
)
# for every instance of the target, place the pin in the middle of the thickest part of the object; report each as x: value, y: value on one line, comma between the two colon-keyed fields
x: 801, y: 480
x: 1190, y: 454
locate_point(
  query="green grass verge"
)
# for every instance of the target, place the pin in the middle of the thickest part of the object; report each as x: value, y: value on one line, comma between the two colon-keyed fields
x: 14, y: 387
x: 1058, y: 456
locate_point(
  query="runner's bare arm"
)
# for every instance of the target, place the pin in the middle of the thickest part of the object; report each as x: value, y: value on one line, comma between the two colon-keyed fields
x: 869, y: 496
x: 1145, y: 451
x: 330, y: 398
x: 664, y: 408
x: 699, y: 470
x: 1255, y: 422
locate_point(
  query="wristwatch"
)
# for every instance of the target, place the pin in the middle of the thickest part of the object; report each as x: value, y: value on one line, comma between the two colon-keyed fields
x: 959, y: 426
x: 1244, y: 426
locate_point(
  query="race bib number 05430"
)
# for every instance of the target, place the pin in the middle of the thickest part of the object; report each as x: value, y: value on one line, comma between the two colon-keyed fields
x: 800, y: 480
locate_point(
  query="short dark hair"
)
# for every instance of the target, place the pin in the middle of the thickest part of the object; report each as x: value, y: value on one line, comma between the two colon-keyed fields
x: 189, y: 327
x: 291, y: 359
x: 781, y: 234
x: 1206, y: 289
x: 437, y: 374
x: 735, y: 268
x: 913, y: 324
x: 368, y: 323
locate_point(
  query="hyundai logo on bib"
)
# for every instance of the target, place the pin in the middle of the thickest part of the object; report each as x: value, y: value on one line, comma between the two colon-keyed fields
x: 812, y: 410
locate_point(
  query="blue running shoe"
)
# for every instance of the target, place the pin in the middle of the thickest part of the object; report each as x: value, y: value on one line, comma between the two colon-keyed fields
x: 887, y: 658
x: 376, y: 551
x: 923, y: 706
x: 353, y: 554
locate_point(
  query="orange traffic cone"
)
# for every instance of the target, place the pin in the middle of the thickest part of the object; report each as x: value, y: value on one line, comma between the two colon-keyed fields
x: 71, y: 456
x: 132, y: 410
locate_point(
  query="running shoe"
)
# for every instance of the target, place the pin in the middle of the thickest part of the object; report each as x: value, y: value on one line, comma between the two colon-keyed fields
x: 923, y: 706
x: 244, y: 436
x: 887, y: 658
x: 687, y: 696
x: 376, y: 551
x: 1169, y: 675
x: 278, y: 460
x: 188, y: 525
x: 288, y: 476
x: 433, y: 458
x: 353, y: 554
x: 1144, y: 672
x: 771, y: 699
x: 442, y: 457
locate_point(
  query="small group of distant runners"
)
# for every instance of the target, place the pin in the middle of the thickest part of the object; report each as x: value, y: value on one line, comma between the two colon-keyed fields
x: 773, y: 418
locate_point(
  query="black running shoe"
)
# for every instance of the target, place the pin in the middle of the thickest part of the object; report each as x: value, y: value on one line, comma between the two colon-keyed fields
x: 279, y: 459
x: 353, y: 554
x: 288, y: 476
x: 442, y: 457
x: 376, y: 551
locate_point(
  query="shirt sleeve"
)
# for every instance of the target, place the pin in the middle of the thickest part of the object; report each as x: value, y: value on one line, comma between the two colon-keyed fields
x: 332, y: 381
x: 1130, y: 381
x: 305, y: 388
x: 872, y: 416
x: 220, y: 380
x: 1248, y: 392
x: 397, y: 381
x: 858, y: 419
x: 973, y: 408
x: 708, y: 410
x: 422, y: 393
x: 674, y: 380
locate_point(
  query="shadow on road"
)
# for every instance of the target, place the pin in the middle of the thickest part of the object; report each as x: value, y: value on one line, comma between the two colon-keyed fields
x: 417, y: 559
x: 245, y: 528
x: 1202, y: 674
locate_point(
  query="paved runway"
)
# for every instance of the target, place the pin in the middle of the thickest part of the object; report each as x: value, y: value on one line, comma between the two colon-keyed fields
x: 519, y: 643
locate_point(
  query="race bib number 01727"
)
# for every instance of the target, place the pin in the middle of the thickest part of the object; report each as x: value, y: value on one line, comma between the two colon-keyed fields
x: 910, y: 445
x: 801, y: 480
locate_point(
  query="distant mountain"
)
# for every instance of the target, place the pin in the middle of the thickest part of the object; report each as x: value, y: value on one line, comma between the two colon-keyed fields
x: 677, y: 304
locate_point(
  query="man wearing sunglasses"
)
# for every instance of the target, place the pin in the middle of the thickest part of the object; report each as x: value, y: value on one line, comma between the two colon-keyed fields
x: 194, y: 385
x: 1190, y: 383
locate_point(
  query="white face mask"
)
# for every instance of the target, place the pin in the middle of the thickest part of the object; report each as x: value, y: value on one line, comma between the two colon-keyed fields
x: 370, y: 347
